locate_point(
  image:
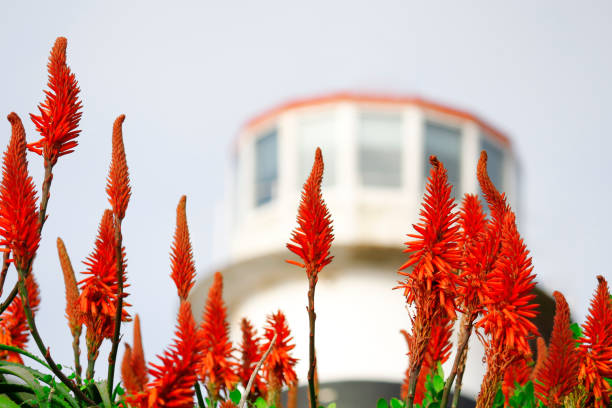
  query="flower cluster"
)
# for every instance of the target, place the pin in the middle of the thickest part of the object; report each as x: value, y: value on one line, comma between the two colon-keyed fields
x: 60, y: 113
x: 460, y: 262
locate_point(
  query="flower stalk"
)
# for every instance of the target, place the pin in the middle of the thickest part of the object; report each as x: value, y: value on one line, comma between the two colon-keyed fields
x: 41, y: 345
x: 311, y: 241
x: 119, y: 192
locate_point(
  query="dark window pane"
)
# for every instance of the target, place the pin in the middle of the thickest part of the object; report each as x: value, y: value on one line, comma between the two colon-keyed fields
x: 445, y: 143
x: 266, y: 167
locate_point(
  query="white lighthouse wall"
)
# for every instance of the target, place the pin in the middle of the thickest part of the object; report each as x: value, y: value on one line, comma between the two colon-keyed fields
x: 359, y: 317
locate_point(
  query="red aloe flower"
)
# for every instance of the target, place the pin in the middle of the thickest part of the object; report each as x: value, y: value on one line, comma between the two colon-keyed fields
x: 60, y: 112
x: 278, y: 367
x: 596, y: 346
x: 434, y: 253
x: 14, y: 325
x: 481, y: 243
x: 217, y: 367
x: 496, y: 200
x: 133, y: 366
x: 251, y: 354
x: 73, y: 311
x: 98, y: 298
x: 118, y: 181
x: 506, y: 318
x: 510, y: 291
x: 175, y: 375
x: 558, y: 375
x: 19, y: 227
x: 181, y: 258
x: 312, y: 239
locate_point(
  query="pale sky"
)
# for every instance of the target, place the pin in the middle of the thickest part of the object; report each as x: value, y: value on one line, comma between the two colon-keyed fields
x: 189, y: 74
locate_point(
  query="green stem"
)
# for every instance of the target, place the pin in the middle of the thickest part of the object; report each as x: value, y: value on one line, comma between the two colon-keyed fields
x: 41, y: 346
x: 464, y: 336
x: 414, y: 375
x: 77, y: 354
x: 198, y: 392
x: 5, y: 267
x: 9, y: 298
x: 313, y: 358
x: 118, y: 313
x: 91, y: 363
x: 44, y: 199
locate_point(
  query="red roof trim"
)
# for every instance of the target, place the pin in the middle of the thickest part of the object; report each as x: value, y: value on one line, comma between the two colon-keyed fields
x: 381, y: 99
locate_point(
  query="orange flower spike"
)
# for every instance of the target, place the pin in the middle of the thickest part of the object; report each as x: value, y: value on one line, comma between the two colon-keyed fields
x: 473, y: 227
x: 18, y: 209
x: 139, y: 365
x: 596, y: 346
x: 434, y: 252
x: 72, y: 290
x: 127, y: 373
x: 118, y: 180
x: 181, y: 257
x: 174, y: 377
x: 558, y: 374
x: 312, y: 239
x: 134, y: 366
x: 251, y: 354
x: 495, y: 199
x: 542, y: 356
x: 279, y: 363
x: 60, y: 113
x: 217, y: 363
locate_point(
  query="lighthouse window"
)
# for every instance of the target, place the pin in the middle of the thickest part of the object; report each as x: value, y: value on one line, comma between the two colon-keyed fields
x: 266, y: 167
x: 317, y: 130
x: 445, y: 143
x: 380, y: 149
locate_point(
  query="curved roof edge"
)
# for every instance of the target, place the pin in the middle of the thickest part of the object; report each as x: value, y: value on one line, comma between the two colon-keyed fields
x: 357, y: 97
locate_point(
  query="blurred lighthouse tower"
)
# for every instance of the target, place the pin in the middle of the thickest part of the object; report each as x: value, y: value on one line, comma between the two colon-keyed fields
x: 375, y: 149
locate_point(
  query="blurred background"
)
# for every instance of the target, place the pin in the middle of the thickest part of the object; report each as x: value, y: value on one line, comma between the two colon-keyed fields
x: 203, y: 84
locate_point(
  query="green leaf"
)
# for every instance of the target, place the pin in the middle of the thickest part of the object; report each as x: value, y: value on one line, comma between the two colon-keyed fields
x: 576, y: 331
x: 235, y: 396
x: 261, y: 403
x: 396, y: 403
x: 438, y: 383
x: 499, y: 399
x: 102, y: 387
x: 382, y: 403
x: 26, y: 375
x: 332, y: 405
x: 6, y: 402
x: 24, y: 353
x: 435, y: 404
